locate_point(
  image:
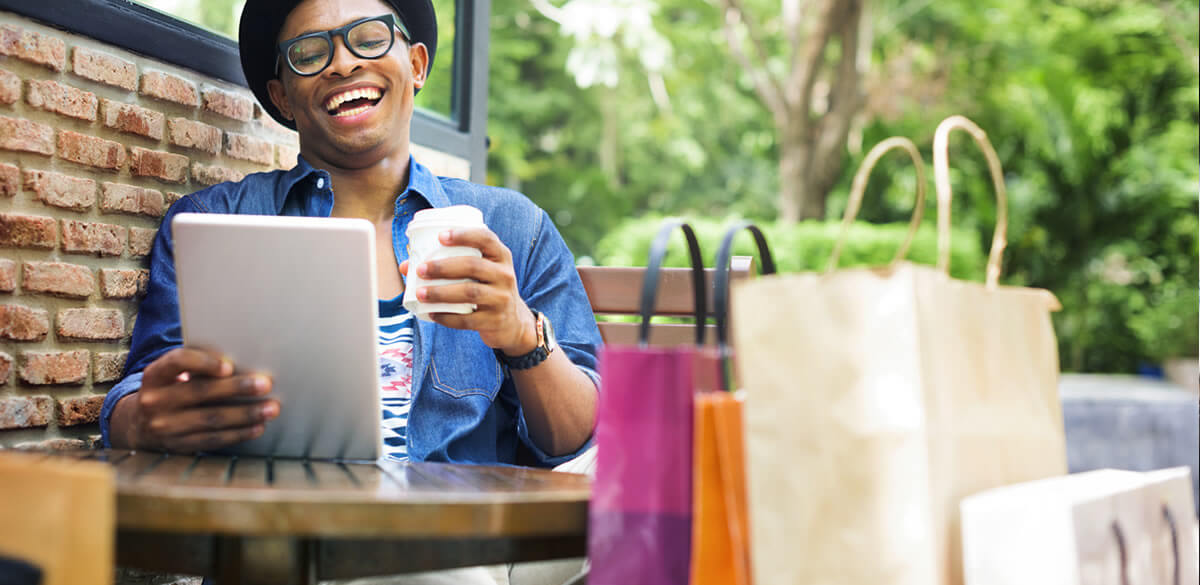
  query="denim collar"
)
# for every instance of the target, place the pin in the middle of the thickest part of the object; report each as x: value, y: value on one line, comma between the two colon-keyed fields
x: 421, y: 182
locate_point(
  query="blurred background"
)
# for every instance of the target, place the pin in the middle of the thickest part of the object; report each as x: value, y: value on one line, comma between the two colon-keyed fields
x: 612, y: 114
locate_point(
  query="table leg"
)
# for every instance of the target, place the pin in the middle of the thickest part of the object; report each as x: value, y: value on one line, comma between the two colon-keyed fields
x: 265, y: 560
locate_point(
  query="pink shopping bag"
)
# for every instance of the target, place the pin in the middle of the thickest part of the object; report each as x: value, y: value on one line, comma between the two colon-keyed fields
x: 640, y: 519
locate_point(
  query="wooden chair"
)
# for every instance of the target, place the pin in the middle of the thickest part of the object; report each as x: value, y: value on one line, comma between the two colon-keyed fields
x: 58, y: 515
x: 617, y: 290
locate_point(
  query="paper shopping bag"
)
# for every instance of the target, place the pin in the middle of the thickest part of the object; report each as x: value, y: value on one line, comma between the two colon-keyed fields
x: 720, y: 532
x: 1104, y: 527
x: 640, y: 516
x: 878, y: 398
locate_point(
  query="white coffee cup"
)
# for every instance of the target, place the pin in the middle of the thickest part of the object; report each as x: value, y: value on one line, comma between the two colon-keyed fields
x: 423, y: 246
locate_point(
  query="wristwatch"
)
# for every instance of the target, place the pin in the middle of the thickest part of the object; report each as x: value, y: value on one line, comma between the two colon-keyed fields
x: 545, y: 344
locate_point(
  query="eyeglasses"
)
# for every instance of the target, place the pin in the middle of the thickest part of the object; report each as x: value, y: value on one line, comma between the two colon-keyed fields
x: 369, y: 38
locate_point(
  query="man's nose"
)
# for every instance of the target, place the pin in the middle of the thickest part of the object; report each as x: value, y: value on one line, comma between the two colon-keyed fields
x: 344, y: 62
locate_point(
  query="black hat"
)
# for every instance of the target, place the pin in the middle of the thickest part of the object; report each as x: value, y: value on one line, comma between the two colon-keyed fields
x: 263, y: 19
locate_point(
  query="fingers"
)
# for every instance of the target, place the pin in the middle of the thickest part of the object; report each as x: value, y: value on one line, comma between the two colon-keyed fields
x: 212, y: 419
x: 482, y: 238
x: 201, y: 390
x: 212, y: 440
x: 193, y: 361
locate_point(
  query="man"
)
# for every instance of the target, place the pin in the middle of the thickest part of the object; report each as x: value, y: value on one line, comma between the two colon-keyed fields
x: 343, y: 73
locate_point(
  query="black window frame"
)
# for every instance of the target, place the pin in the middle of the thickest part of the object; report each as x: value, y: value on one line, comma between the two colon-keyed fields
x: 156, y: 35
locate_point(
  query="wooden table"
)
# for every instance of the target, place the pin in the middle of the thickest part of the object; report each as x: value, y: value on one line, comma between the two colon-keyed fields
x: 251, y: 520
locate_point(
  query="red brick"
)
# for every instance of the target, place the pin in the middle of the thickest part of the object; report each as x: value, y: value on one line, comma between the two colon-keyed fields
x: 228, y: 104
x: 192, y: 134
x: 132, y: 119
x: 90, y: 324
x: 168, y: 87
x: 33, y: 47
x: 287, y: 156
x: 80, y: 410
x: 61, y: 190
x: 109, y: 366
x: 164, y: 166
x: 28, y: 231
x: 22, y: 412
x: 10, y: 180
x: 244, y: 147
x: 8, y: 275
x: 90, y: 151
x: 117, y: 198
x: 60, y: 279
x: 141, y: 240
x: 55, y: 367
x: 25, y: 136
x: 10, y: 88
x: 6, y: 363
x: 102, y: 239
x: 104, y: 68
x: 53, y: 96
x: 211, y: 175
x: 117, y: 283
x: 21, y: 323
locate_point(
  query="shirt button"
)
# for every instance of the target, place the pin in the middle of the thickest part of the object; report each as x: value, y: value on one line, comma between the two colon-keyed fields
x: 321, y: 183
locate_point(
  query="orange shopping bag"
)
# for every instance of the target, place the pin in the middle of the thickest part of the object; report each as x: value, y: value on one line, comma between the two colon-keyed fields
x: 720, y: 532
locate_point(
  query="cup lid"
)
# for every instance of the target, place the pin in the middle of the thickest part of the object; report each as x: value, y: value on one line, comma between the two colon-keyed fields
x: 452, y: 215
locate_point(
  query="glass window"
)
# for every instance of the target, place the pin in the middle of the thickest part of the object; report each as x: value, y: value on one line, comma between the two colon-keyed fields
x: 221, y: 17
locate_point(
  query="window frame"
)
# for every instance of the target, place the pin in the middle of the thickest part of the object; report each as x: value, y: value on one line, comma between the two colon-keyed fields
x: 157, y: 35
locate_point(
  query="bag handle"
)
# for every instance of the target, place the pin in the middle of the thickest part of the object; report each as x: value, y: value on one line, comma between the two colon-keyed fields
x: 658, y: 249
x: 941, y: 182
x: 1119, y: 535
x: 721, y: 287
x: 1170, y: 518
x: 859, y: 186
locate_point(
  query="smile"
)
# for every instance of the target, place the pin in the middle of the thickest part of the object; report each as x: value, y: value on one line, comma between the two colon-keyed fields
x: 353, y: 102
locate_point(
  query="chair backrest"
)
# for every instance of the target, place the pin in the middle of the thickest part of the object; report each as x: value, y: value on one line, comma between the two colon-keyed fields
x: 617, y: 291
x: 58, y: 514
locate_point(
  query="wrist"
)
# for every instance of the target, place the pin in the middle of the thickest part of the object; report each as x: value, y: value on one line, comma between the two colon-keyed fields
x: 122, y: 428
x: 527, y: 339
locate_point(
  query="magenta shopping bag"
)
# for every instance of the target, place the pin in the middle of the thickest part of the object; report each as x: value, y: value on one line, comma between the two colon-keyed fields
x: 640, y: 518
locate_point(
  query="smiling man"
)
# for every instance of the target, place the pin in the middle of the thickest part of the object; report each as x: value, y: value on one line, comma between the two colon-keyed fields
x: 343, y: 74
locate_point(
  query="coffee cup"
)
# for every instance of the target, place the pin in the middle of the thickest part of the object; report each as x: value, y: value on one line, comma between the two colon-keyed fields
x: 423, y: 246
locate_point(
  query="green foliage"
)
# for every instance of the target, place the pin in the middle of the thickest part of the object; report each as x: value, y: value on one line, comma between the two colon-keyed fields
x: 801, y: 247
x: 1091, y: 104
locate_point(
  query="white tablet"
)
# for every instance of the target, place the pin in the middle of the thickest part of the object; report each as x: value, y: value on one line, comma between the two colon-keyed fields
x: 294, y: 297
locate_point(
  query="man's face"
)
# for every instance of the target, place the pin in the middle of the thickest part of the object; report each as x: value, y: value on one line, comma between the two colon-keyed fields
x: 356, y: 111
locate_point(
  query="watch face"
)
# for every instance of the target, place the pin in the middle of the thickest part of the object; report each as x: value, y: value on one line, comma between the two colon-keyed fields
x: 548, y: 331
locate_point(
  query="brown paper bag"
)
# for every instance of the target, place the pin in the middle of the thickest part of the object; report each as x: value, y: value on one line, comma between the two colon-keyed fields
x: 1104, y: 527
x: 878, y: 398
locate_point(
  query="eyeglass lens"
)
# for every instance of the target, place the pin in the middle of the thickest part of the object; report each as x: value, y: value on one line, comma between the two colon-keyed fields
x: 367, y: 40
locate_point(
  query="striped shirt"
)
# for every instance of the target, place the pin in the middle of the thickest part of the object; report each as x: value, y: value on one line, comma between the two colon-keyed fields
x: 395, y: 375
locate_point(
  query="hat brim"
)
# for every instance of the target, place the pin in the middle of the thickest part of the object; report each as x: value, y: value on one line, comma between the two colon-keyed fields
x: 262, y: 20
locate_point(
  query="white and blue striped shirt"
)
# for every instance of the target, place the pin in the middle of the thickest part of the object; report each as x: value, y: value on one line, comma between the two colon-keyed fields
x: 395, y: 375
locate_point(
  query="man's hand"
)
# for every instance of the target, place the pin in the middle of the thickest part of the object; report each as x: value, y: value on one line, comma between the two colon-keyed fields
x: 502, y: 319
x: 186, y: 404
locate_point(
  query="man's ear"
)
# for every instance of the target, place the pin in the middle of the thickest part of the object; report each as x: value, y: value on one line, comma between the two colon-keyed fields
x: 279, y: 97
x: 418, y: 58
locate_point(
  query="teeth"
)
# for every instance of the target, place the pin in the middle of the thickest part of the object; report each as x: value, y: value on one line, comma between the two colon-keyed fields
x: 352, y: 112
x: 371, y: 93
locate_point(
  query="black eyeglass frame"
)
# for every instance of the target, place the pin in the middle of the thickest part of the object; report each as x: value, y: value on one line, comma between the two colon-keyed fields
x: 389, y: 19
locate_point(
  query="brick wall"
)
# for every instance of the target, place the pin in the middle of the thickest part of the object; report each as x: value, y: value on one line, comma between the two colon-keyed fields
x: 95, y: 144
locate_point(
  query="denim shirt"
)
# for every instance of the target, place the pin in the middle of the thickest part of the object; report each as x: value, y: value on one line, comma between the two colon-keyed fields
x: 465, y: 406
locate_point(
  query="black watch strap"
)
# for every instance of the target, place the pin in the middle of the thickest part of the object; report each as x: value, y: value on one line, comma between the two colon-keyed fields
x: 538, y: 354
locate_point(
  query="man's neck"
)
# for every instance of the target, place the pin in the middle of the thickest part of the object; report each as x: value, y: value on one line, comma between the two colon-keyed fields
x: 369, y: 192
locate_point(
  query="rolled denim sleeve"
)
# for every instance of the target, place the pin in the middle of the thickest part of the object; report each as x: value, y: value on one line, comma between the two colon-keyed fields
x: 550, y: 283
x: 125, y: 387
